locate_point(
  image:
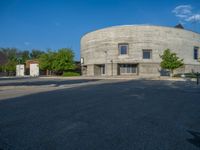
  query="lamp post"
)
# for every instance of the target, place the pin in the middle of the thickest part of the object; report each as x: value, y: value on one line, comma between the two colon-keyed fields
x: 82, y: 62
x: 111, y: 67
x: 106, y: 53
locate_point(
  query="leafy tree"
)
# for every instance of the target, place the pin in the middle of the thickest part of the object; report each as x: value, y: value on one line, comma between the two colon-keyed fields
x: 64, y: 60
x: 11, y: 56
x: 170, y: 61
x: 3, y: 58
x: 10, y: 53
x: 11, y: 66
x: 46, y: 61
x: 35, y: 54
x: 22, y: 56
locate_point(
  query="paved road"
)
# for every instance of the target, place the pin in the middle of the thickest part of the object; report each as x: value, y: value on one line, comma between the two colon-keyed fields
x: 129, y: 115
x: 15, y: 87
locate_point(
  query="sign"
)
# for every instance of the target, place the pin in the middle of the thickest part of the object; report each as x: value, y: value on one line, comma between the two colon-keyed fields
x: 82, y: 60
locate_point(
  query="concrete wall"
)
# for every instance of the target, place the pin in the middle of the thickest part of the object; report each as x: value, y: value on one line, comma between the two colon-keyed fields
x: 149, y: 69
x: 101, y: 47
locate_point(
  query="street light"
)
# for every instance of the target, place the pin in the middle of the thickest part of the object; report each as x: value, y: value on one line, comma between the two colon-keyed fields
x: 82, y: 62
x: 111, y: 67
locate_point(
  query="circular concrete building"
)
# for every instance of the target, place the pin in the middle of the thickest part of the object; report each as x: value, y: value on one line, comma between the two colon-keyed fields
x: 136, y: 50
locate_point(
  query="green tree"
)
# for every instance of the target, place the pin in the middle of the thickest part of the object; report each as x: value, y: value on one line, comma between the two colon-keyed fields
x: 22, y: 56
x: 170, y: 61
x: 3, y: 60
x: 46, y: 61
x: 64, y: 60
x: 11, y: 56
x: 11, y: 66
x: 10, y: 53
x: 35, y: 54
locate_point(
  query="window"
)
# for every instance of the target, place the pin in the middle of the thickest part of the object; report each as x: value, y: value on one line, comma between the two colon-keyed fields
x: 123, y: 49
x: 196, y: 53
x: 127, y: 68
x: 147, y: 54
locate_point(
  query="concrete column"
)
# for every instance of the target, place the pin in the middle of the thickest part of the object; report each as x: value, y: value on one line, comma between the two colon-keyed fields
x: 90, y: 70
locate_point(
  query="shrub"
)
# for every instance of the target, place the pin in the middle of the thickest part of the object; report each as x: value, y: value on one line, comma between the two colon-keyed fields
x: 70, y: 74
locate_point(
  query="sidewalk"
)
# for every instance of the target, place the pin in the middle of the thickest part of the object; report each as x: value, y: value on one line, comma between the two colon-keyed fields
x: 120, y: 78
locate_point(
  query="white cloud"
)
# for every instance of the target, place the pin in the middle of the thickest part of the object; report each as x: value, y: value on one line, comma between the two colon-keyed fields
x: 182, y: 16
x: 185, y: 13
x: 194, y: 18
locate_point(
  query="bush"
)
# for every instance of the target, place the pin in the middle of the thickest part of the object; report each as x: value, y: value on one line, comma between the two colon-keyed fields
x: 70, y: 74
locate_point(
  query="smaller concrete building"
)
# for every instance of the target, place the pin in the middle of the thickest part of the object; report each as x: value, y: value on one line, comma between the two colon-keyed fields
x: 20, y: 70
x: 32, y: 68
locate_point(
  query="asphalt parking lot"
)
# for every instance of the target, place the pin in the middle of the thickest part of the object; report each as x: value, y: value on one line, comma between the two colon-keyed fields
x: 100, y: 115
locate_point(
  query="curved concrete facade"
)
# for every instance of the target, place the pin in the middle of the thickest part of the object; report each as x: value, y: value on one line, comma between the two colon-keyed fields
x: 102, y: 56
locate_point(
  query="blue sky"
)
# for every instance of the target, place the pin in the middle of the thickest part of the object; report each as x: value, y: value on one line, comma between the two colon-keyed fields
x: 43, y: 24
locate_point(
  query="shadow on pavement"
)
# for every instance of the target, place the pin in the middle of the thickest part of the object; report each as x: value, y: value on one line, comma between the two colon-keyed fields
x: 196, y: 138
x: 111, y: 116
x: 15, y: 78
x: 43, y: 82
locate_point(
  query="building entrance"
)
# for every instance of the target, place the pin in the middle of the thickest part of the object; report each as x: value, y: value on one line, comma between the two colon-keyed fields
x: 99, y: 69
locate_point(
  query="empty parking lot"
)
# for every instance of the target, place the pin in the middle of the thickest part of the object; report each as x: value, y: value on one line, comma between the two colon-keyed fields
x: 99, y: 115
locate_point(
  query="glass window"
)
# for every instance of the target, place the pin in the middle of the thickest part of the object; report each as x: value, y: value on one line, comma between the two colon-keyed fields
x: 123, y: 49
x: 127, y: 68
x: 147, y: 54
x: 196, y: 53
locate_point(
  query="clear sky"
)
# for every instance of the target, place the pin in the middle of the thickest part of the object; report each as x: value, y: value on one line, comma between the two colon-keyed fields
x: 43, y: 24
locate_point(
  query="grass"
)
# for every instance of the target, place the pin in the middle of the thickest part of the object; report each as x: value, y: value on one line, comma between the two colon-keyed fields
x: 70, y: 74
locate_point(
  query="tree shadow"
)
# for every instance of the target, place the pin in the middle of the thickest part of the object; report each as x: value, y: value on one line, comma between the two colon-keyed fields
x: 196, y: 138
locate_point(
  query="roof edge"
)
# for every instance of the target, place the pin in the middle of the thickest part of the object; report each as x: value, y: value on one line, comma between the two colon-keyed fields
x: 137, y: 25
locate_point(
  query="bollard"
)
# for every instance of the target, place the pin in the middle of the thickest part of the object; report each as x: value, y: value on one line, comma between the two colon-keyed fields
x: 198, y: 78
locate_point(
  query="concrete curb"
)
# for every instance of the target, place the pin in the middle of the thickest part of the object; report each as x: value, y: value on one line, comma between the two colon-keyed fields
x: 120, y: 78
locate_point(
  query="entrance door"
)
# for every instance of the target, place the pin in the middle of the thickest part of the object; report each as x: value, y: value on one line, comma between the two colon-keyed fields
x: 99, y: 70
x: 102, y: 69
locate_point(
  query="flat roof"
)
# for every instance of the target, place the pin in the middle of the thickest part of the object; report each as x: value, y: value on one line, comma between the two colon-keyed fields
x: 138, y: 25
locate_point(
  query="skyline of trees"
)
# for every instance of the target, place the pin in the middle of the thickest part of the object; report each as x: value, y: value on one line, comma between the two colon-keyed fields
x: 56, y: 61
